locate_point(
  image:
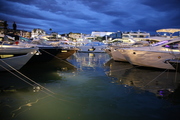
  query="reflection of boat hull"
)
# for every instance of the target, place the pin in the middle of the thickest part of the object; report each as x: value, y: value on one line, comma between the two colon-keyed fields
x: 16, y: 61
x: 117, y: 69
x: 175, y: 63
x: 162, y: 86
x: 48, y: 71
x: 143, y: 79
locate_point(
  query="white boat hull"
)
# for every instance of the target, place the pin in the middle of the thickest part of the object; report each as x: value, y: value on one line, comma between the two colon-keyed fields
x: 117, y: 56
x: 16, y: 62
x: 150, y: 58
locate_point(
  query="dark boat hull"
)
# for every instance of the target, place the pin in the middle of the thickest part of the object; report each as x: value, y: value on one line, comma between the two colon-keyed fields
x: 64, y: 54
x: 47, y: 54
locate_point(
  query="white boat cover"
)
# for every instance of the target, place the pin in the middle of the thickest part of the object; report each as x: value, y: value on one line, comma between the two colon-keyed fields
x: 170, y: 30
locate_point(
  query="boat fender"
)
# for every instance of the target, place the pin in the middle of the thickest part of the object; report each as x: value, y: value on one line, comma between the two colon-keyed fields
x: 16, y: 42
x: 93, y: 48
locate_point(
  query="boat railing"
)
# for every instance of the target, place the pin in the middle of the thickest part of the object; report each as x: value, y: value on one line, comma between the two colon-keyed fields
x: 3, y: 43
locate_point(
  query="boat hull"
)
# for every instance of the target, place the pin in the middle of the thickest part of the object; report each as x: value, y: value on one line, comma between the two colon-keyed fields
x: 154, y: 59
x: 65, y: 53
x: 117, y: 56
x: 17, y: 61
x: 48, y: 53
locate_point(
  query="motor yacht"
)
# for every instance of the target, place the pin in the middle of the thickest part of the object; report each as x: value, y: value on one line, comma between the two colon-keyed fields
x: 116, y: 50
x: 93, y: 47
x: 154, y: 55
x: 14, y: 57
x: 47, y: 50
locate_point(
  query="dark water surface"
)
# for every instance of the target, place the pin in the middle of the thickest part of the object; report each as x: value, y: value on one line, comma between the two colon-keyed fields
x: 89, y: 87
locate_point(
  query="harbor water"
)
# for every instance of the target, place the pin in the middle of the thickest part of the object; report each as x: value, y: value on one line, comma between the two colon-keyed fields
x: 89, y: 86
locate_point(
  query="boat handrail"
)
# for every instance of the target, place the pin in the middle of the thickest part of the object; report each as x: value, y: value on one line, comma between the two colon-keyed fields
x: 3, y: 43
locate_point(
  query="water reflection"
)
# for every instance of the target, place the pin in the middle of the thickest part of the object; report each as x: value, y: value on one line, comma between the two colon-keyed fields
x: 48, y: 71
x: 80, y: 89
x: 44, y: 72
x: 91, y: 60
x: 160, y: 82
x: 20, y: 90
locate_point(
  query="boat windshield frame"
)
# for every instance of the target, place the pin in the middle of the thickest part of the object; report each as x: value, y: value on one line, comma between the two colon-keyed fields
x: 161, y: 43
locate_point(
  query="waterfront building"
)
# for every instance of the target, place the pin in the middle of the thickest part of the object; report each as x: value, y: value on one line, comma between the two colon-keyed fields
x: 36, y: 32
x: 100, y: 34
x: 75, y: 35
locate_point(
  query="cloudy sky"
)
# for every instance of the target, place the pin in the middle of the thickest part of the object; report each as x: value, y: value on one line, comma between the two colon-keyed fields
x: 85, y: 16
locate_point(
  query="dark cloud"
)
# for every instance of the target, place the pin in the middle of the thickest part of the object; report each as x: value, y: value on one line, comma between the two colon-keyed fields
x: 117, y: 22
x: 46, y: 5
x: 88, y: 15
x: 95, y: 4
x: 79, y: 15
x: 116, y: 13
x: 20, y: 11
x: 170, y: 10
x: 162, y: 5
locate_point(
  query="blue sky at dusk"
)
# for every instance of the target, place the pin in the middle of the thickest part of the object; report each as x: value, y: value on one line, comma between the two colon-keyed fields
x: 85, y: 16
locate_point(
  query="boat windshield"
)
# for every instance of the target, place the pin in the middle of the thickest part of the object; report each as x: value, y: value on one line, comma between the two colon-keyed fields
x: 22, y: 39
x: 161, y: 42
x: 94, y: 44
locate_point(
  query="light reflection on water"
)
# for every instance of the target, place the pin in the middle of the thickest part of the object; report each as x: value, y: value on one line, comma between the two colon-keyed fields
x: 90, y: 86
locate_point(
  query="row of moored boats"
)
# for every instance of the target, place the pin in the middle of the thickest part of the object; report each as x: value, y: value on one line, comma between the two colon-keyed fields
x: 163, y: 53
x: 15, y: 54
x: 157, y: 52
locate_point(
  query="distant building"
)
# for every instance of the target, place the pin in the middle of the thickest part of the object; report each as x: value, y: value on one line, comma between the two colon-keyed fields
x: 25, y: 34
x: 116, y: 35
x: 3, y: 27
x: 75, y: 35
x: 56, y: 35
x: 135, y: 34
x: 37, y: 32
x: 127, y: 35
x: 100, y: 34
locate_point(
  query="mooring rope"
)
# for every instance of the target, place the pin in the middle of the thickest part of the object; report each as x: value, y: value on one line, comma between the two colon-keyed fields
x: 23, y: 76
x: 156, y: 77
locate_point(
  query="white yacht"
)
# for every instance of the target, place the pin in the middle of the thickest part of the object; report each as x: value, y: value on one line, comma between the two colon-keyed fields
x: 154, y: 55
x: 137, y: 35
x: 47, y: 50
x: 93, y: 47
x: 14, y: 57
x: 116, y: 50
